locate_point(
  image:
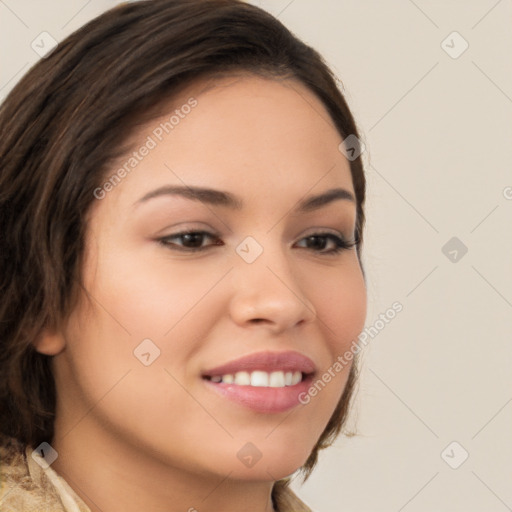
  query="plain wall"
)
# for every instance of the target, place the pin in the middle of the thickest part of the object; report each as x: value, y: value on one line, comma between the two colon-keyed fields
x: 438, y: 135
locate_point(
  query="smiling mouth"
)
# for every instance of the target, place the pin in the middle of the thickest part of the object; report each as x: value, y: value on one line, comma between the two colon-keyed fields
x: 266, y: 382
x: 267, y: 392
x: 259, y: 378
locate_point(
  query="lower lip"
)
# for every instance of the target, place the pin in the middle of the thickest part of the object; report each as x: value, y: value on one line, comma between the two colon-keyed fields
x: 263, y: 399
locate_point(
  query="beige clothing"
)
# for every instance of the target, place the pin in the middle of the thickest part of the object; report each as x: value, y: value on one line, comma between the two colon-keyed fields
x: 27, y: 486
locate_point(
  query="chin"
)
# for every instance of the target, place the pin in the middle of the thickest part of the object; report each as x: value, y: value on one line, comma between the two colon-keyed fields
x: 271, y: 467
x: 268, y: 473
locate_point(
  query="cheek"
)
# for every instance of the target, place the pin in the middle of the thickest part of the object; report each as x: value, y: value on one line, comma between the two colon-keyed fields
x: 132, y: 301
x: 341, y: 304
x: 149, y: 294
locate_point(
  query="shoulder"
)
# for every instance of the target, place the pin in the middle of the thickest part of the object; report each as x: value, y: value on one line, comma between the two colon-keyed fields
x: 18, y: 491
x: 25, y: 485
x: 285, y: 500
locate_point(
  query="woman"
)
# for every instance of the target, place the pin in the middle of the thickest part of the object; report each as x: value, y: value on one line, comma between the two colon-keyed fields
x: 182, y: 208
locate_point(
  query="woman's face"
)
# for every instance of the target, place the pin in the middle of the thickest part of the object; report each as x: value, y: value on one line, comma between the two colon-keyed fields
x: 139, y: 364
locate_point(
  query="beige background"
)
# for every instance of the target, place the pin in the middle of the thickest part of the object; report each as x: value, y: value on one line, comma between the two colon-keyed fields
x: 438, y: 137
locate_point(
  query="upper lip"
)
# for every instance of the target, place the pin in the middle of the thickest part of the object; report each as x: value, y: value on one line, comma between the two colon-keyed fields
x: 265, y: 361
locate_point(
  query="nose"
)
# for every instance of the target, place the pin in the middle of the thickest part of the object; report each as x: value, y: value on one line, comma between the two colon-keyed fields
x: 268, y: 292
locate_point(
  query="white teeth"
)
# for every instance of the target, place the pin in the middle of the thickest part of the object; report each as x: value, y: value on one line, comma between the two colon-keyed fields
x: 296, y: 378
x: 260, y: 378
x: 242, y: 378
x: 276, y: 380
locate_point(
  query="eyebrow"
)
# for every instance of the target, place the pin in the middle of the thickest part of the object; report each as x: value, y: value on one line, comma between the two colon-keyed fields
x: 228, y: 200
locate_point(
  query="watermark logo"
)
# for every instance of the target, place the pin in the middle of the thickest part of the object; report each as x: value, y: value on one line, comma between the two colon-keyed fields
x: 352, y: 147
x: 454, y: 455
x: 147, y: 352
x: 454, y: 249
x: 249, y: 455
x: 44, y: 455
x: 43, y: 44
x: 249, y: 249
x: 454, y: 45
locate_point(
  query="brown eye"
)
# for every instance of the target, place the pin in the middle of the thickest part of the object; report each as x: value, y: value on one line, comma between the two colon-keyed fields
x: 189, y: 240
x: 319, y: 241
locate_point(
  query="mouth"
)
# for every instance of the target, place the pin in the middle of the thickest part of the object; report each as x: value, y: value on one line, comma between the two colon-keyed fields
x: 260, y: 378
x: 266, y: 382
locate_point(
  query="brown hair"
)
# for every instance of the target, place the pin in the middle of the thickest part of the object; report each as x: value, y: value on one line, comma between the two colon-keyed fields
x: 69, y: 117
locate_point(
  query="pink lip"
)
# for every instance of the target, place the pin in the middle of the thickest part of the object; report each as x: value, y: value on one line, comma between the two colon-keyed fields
x: 265, y: 361
x: 264, y: 399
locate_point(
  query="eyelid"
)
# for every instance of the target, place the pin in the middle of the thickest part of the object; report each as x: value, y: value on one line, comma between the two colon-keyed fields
x: 207, y: 234
x: 341, y: 243
x: 215, y: 234
x: 323, y: 231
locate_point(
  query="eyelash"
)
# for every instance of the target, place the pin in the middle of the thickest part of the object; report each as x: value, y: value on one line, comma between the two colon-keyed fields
x: 340, y: 243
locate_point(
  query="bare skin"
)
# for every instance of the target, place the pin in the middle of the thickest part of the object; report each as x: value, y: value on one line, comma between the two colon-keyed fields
x: 133, y: 437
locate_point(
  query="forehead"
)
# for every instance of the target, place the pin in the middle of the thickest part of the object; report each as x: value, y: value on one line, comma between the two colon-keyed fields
x: 243, y: 132
x: 264, y: 107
